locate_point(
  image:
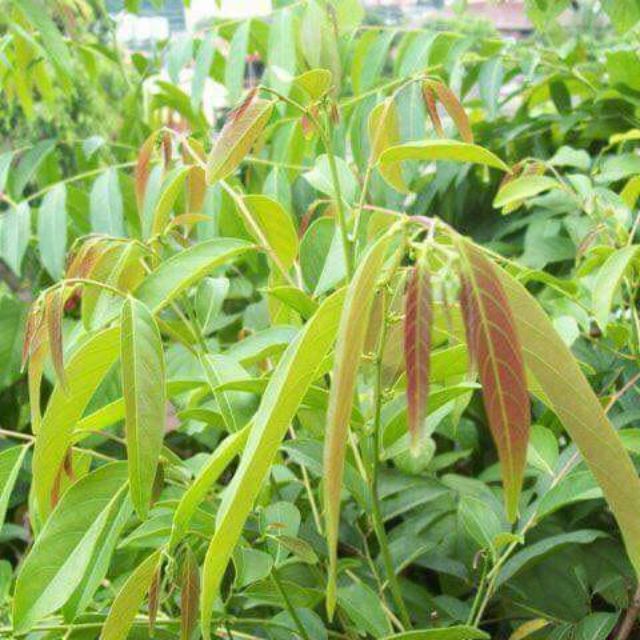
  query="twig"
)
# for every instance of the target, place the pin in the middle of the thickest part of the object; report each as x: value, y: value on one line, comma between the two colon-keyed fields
x: 630, y: 617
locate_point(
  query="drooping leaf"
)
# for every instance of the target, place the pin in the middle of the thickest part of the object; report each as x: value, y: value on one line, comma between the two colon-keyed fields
x: 52, y: 230
x: 237, y: 137
x: 608, y: 281
x: 62, y: 552
x: 185, y: 269
x: 106, y: 205
x: 171, y: 187
x: 14, y: 235
x: 384, y: 132
x: 578, y: 408
x: 85, y: 370
x: 54, y: 310
x: 350, y: 343
x: 455, y: 110
x: 143, y: 169
x: 523, y: 188
x: 210, y: 472
x: 494, y: 344
x: 453, y: 150
x: 129, y: 599
x: 189, y: 594
x: 271, y: 225
x: 417, y: 347
x: 283, y: 395
x: 10, y: 464
x: 236, y: 58
x: 143, y: 383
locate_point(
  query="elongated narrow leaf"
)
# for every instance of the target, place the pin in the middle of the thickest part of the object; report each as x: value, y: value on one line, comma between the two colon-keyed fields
x: 106, y: 207
x: 85, y: 370
x: 10, y: 463
x: 14, y: 235
x: 608, y: 281
x: 171, y: 188
x: 143, y: 384
x: 283, y: 395
x: 52, y: 230
x: 235, y: 66
x: 185, y: 269
x: 351, y: 338
x: 447, y: 633
x: 384, y: 132
x: 522, y: 188
x: 54, y: 305
x: 271, y: 225
x: 455, y: 110
x: 129, y: 599
x: 453, y: 150
x: 417, y: 347
x: 189, y: 595
x: 210, y: 472
x: 143, y: 169
x: 494, y: 345
x: 579, y: 409
x: 63, y: 550
x: 238, y: 135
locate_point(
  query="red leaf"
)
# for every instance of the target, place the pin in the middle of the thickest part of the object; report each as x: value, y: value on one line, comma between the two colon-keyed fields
x: 417, y: 347
x: 154, y: 600
x: 495, y: 348
x: 190, y: 595
x: 142, y: 169
x: 54, y: 305
x: 455, y: 110
x: 430, y: 102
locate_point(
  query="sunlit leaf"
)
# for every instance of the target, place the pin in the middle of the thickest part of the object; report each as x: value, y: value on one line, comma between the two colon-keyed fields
x: 494, y: 345
x: 143, y: 383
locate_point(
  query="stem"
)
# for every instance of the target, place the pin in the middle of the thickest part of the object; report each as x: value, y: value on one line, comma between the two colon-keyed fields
x: 292, y: 612
x: 630, y: 617
x: 376, y: 513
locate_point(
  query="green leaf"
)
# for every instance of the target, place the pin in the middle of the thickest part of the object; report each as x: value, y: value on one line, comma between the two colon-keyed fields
x: 539, y: 550
x: 179, y: 54
x: 624, y: 14
x: 204, y: 58
x: 234, y: 69
x: 15, y: 229
x: 85, y: 370
x: 315, y: 82
x: 10, y: 464
x: 171, y: 187
x: 285, y: 391
x: 28, y: 165
x: 52, y: 230
x: 447, y: 633
x: 143, y: 384
x: 129, y: 599
x: 351, y: 339
x: 189, y: 594
x: 579, y: 409
x: 208, y: 475
x: 38, y: 15
x: 384, y: 132
x: 609, y: 279
x: 479, y: 520
x: 185, y: 269
x: 490, y: 82
x: 13, y: 313
x: 364, y: 608
x: 320, y: 178
x: 515, y: 191
x: 271, y: 225
x: 106, y: 205
x: 281, y: 51
x: 451, y: 150
x: 63, y: 550
x: 210, y: 297
x: 241, y: 131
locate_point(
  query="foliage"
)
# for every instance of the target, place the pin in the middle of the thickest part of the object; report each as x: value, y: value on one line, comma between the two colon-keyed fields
x: 364, y: 362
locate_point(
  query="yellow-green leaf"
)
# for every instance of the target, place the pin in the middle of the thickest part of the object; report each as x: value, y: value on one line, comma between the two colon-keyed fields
x: 143, y: 384
x: 351, y: 338
x: 85, y: 370
x: 238, y: 135
x: 287, y: 387
x: 522, y: 188
x: 578, y: 408
x: 129, y: 599
x: 384, y: 132
x: 452, y: 150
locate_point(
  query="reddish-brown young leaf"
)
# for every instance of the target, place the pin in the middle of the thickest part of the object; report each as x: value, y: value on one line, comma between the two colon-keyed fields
x: 67, y: 465
x: 154, y: 600
x: 189, y: 595
x: 455, y: 110
x: 417, y: 347
x: 142, y: 170
x: 54, y: 310
x: 430, y: 103
x: 495, y: 349
x: 167, y: 149
x: 31, y: 329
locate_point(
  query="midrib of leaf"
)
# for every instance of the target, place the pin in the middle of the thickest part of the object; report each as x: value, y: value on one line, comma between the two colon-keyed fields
x: 477, y: 292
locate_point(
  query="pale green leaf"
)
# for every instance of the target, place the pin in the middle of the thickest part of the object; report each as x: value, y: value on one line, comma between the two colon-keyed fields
x: 523, y: 188
x: 234, y: 69
x: 171, y: 187
x: 10, y: 463
x: 447, y: 633
x: 143, y: 383
x: 64, y: 548
x: 15, y: 229
x: 106, y: 205
x: 129, y: 599
x: 285, y: 391
x: 52, y: 230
